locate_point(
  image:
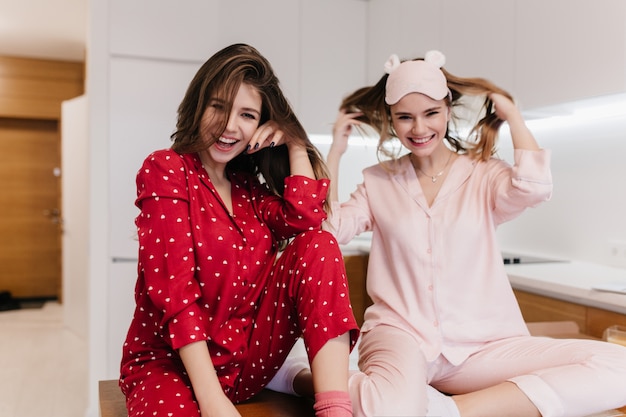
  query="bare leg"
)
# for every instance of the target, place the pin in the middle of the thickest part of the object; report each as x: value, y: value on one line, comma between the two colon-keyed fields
x: 330, y: 365
x: 330, y: 378
x: 502, y: 400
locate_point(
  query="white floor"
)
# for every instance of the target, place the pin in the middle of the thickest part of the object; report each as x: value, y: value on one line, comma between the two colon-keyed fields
x: 43, y: 366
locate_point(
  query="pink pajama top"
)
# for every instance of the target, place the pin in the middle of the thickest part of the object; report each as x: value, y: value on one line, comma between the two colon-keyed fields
x: 437, y: 272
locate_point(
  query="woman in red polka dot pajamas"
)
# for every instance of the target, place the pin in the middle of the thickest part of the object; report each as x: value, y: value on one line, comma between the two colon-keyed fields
x: 217, y: 311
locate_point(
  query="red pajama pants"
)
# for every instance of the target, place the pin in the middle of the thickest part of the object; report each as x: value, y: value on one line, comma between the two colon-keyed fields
x: 307, y: 295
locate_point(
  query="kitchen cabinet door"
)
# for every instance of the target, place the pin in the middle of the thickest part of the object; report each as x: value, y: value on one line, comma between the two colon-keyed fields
x: 185, y: 30
x: 558, y: 61
x: 121, y: 286
x: 333, y: 50
x: 144, y: 98
x: 591, y: 321
x: 598, y: 320
x: 537, y: 308
x: 533, y: 48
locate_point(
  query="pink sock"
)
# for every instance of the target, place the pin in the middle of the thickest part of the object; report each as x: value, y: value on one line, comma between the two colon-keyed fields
x: 332, y: 404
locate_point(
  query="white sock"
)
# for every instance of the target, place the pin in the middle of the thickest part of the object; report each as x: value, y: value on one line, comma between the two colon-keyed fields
x: 296, y: 362
x: 440, y: 405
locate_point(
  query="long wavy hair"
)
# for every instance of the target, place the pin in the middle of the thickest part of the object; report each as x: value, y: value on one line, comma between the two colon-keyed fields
x: 467, y: 95
x: 220, y: 76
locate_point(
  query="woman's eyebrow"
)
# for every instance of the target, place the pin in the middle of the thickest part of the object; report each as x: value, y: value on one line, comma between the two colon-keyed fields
x: 251, y: 110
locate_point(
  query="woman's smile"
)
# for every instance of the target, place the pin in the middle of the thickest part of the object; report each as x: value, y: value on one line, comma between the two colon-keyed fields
x: 419, y: 141
x: 225, y: 143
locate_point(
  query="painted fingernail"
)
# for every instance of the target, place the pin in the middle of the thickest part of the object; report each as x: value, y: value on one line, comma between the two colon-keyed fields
x: 272, y: 144
x: 256, y: 146
x: 247, y: 148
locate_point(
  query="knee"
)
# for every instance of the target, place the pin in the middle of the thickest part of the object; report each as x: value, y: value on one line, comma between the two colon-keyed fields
x: 374, y: 396
x: 314, y: 237
x: 314, y: 243
x: 611, y: 356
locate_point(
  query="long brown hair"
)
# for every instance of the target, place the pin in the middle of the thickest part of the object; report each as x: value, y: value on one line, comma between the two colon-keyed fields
x: 480, y: 143
x: 220, y: 76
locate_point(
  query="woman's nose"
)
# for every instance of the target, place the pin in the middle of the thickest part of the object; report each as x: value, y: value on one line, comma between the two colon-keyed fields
x: 231, y: 125
x: 417, y: 127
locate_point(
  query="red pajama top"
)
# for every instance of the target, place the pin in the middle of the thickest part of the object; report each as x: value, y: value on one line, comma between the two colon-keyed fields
x: 200, y: 269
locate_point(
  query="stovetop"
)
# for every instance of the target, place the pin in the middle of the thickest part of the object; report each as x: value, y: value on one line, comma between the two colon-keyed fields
x: 515, y: 258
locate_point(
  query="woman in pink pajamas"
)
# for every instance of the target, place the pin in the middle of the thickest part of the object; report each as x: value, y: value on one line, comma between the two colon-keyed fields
x: 217, y: 310
x: 444, y: 317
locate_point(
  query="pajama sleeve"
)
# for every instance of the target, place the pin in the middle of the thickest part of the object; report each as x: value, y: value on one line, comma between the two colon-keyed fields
x: 526, y: 184
x: 166, y: 248
x: 300, y: 209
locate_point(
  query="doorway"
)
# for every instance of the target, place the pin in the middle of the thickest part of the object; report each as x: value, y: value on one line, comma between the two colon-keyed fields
x: 30, y: 208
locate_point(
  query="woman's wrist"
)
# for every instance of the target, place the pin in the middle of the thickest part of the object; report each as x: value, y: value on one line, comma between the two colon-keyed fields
x: 299, y: 161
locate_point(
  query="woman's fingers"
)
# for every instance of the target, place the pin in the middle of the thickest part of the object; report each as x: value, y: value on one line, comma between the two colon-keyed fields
x: 266, y: 135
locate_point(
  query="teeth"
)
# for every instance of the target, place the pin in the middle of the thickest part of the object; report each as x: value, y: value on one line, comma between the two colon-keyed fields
x: 228, y: 141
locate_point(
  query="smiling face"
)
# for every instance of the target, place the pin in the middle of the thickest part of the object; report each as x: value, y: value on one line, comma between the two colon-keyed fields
x: 243, y: 121
x: 420, y: 123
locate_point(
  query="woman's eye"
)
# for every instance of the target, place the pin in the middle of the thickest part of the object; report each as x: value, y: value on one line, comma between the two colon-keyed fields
x: 249, y: 116
x: 432, y: 113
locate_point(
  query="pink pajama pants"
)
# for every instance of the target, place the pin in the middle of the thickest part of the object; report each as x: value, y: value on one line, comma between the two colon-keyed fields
x: 561, y: 377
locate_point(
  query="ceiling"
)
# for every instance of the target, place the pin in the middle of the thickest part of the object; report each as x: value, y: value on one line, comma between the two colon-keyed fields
x: 46, y: 29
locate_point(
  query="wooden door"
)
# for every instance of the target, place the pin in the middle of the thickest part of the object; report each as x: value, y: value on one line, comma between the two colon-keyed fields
x: 30, y: 202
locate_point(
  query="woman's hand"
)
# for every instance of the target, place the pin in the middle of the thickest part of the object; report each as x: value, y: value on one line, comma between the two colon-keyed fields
x: 504, y: 107
x: 204, y: 381
x: 341, y: 132
x: 342, y: 129
x: 220, y: 406
x: 268, y: 134
x: 520, y: 134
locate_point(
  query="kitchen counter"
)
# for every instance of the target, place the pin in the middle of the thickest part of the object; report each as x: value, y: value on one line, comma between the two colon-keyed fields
x: 571, y: 281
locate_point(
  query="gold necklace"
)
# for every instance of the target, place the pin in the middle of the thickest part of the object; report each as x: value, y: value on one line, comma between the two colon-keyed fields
x: 437, y: 175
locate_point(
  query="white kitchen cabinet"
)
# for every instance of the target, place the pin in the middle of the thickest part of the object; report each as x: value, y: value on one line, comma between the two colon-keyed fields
x: 407, y: 28
x: 183, y: 30
x: 299, y: 38
x: 569, y: 50
x: 475, y: 37
x: 479, y: 39
x: 121, y: 282
x: 272, y: 27
x: 544, y: 53
x: 144, y: 98
x: 192, y: 31
x: 317, y: 49
x: 333, y: 49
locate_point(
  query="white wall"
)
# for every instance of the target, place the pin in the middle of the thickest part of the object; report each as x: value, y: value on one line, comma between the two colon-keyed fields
x: 585, y: 217
x: 75, y: 184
